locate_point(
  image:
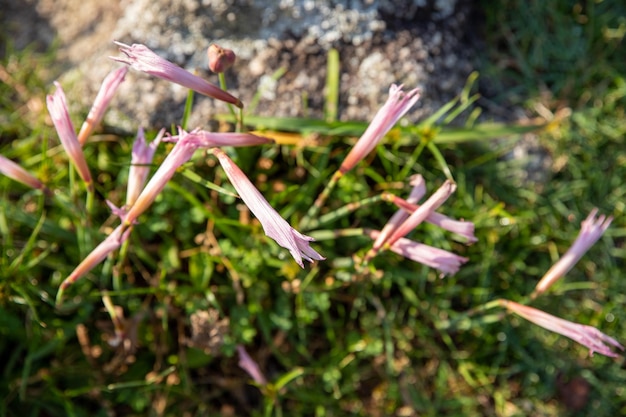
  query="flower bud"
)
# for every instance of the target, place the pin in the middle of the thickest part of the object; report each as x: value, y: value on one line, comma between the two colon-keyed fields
x: 220, y: 59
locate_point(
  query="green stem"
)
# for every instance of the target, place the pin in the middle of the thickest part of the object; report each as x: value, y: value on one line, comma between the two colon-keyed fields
x: 344, y: 211
x: 439, y: 157
x: 239, y: 120
x: 319, y: 202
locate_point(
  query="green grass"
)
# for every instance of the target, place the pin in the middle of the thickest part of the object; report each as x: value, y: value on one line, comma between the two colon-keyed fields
x: 331, y: 341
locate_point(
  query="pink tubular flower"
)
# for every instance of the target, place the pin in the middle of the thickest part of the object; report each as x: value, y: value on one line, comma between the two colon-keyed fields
x: 446, y: 262
x: 396, y: 106
x: 273, y: 224
x: 418, y: 216
x: 57, y: 107
x: 111, y: 243
x: 142, y: 156
x: 100, y: 104
x: 416, y: 194
x: 144, y: 59
x: 592, y: 229
x: 186, y: 145
x: 587, y: 336
x: 461, y: 228
x: 180, y: 154
x: 205, y: 139
x: 250, y: 366
x: 17, y: 173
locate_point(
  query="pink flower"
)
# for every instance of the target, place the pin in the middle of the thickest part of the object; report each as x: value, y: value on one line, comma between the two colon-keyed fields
x: 180, y: 154
x: 592, y: 229
x: 396, y: 106
x: 587, y: 336
x: 206, y: 139
x: 17, y: 173
x: 274, y: 226
x: 250, y: 366
x: 461, y: 228
x: 142, y: 156
x: 143, y: 59
x: 446, y: 262
x: 111, y: 243
x: 183, y: 150
x: 416, y: 194
x: 57, y: 107
x: 100, y: 104
x: 422, y: 213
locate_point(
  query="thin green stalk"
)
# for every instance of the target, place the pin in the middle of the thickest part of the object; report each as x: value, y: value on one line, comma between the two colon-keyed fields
x: 327, y: 234
x: 344, y: 211
x: 117, y: 275
x: 410, y: 163
x: 319, y: 202
x: 442, y: 161
x: 463, y: 320
x: 239, y: 120
x: 89, y: 203
x: 187, y: 112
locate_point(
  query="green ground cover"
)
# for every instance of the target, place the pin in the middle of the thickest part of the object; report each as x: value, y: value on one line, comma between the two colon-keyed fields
x: 199, y: 277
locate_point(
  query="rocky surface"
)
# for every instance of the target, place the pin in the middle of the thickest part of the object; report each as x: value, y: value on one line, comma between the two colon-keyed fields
x: 426, y: 43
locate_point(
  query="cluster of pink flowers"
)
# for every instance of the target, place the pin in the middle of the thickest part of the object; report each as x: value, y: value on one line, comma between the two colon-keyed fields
x: 141, y: 192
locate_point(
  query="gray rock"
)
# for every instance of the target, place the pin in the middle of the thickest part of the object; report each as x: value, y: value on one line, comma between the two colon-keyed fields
x: 427, y: 43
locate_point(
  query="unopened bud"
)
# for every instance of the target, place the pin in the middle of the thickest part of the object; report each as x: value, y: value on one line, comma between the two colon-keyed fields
x: 220, y: 59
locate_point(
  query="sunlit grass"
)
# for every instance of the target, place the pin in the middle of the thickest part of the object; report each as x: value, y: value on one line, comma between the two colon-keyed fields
x: 199, y: 276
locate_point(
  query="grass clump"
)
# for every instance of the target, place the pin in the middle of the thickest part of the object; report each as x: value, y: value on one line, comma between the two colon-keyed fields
x: 197, y: 312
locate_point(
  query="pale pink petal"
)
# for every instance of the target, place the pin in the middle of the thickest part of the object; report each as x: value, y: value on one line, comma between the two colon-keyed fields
x: 111, y: 243
x: 273, y: 224
x: 180, y: 154
x: 206, y: 139
x: 587, y: 336
x: 446, y: 262
x: 57, y: 107
x: 416, y: 194
x: 394, y: 108
x: 107, y: 90
x: 418, y: 216
x: 17, y: 173
x: 250, y: 366
x: 141, y: 58
x: 141, y: 158
x: 461, y: 228
x: 592, y: 229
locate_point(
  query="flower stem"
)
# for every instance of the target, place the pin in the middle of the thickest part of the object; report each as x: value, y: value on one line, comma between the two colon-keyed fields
x: 319, y: 202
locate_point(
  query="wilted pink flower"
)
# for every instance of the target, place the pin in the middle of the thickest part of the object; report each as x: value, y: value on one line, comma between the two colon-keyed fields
x: 111, y: 243
x: 183, y: 150
x: 416, y: 194
x: 220, y: 59
x: 17, y: 173
x: 143, y: 59
x: 592, y: 229
x: 418, y: 216
x: 446, y: 262
x: 587, y: 336
x: 396, y: 106
x: 206, y: 139
x: 57, y: 107
x: 250, y: 366
x: 461, y: 228
x: 100, y: 104
x: 273, y: 224
x: 142, y: 156
x: 180, y: 154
